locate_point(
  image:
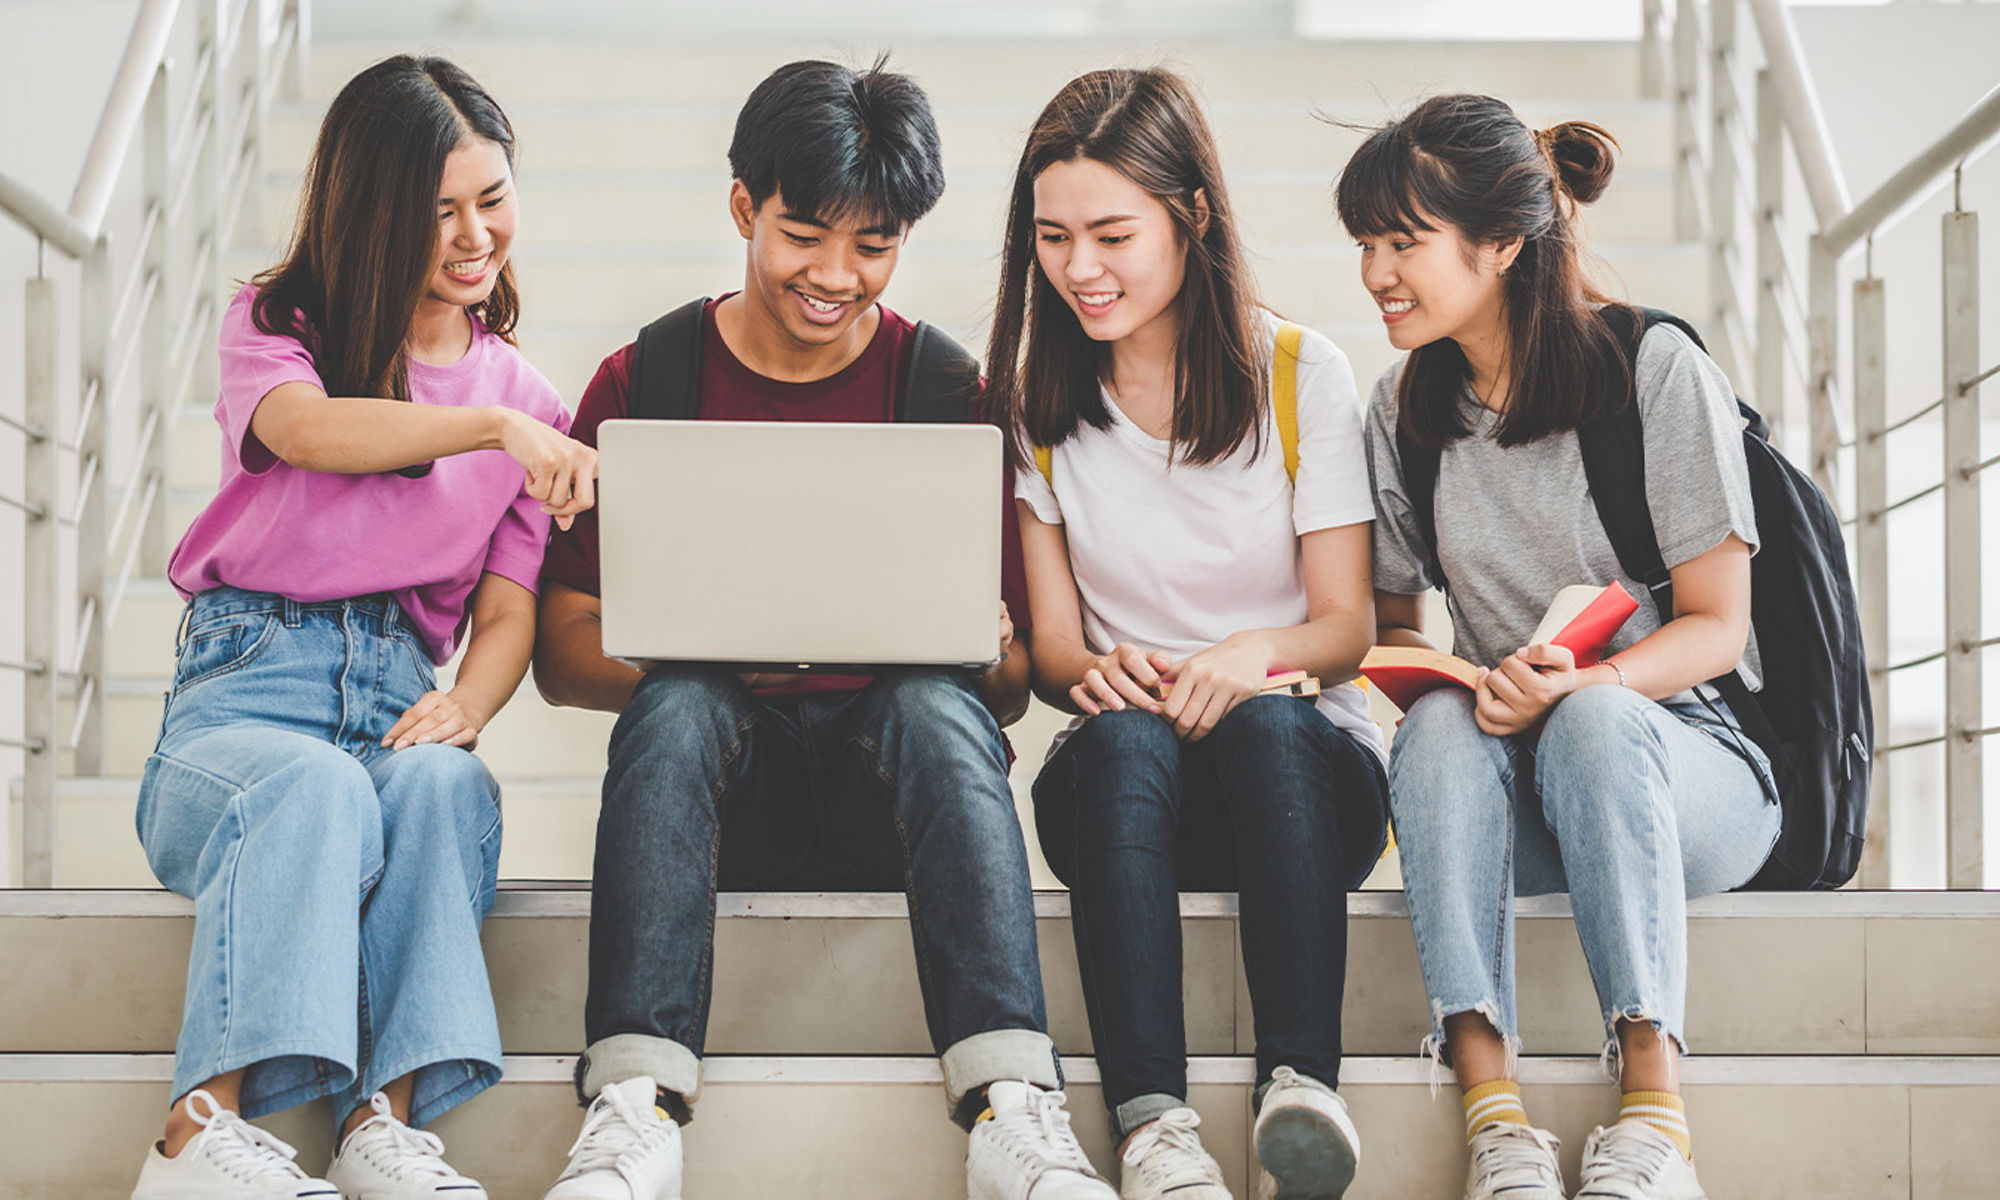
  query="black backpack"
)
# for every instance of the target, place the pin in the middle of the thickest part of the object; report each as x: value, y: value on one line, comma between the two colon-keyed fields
x: 1814, y: 718
x: 940, y: 386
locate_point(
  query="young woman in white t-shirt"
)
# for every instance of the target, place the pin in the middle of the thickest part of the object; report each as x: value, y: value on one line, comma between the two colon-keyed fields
x: 1168, y: 544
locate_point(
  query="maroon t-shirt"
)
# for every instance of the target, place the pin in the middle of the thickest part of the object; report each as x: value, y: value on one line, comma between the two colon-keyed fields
x: 863, y: 390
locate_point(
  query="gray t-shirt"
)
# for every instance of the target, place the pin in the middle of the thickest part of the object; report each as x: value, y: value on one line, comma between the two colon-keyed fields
x: 1517, y: 524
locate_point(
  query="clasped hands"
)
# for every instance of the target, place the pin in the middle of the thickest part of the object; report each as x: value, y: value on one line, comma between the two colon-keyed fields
x: 1205, y: 685
x: 1512, y: 697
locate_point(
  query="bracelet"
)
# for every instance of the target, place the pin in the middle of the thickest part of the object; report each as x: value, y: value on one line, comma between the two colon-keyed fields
x: 1619, y: 671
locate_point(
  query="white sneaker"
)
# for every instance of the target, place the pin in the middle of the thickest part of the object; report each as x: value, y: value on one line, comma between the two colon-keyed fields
x: 1025, y: 1150
x: 1514, y: 1162
x: 230, y: 1159
x: 1165, y: 1161
x: 384, y: 1159
x: 630, y: 1149
x: 1631, y: 1160
x: 1305, y: 1140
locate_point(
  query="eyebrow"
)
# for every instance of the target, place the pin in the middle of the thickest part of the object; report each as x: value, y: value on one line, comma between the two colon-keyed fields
x: 488, y: 190
x: 1097, y: 224
x: 883, y: 231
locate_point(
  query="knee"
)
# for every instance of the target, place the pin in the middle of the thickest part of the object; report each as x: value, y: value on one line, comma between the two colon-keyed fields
x: 1127, y: 739
x: 933, y: 698
x: 1264, y: 727
x: 440, y: 782
x: 1437, y: 721
x: 680, y: 709
x: 1598, y: 725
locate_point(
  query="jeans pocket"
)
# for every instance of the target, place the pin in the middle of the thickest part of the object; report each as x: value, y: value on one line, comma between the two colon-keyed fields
x: 221, y: 646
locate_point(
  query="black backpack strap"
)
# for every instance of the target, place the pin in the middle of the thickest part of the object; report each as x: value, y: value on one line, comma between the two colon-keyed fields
x: 1614, y: 462
x: 666, y: 366
x: 941, y: 385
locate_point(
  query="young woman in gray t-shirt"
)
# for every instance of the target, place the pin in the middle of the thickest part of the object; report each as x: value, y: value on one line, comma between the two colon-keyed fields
x: 1617, y: 783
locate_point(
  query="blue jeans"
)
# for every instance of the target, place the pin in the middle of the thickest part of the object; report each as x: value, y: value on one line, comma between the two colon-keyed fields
x: 338, y: 887
x: 901, y: 786
x: 1628, y: 805
x: 1275, y: 804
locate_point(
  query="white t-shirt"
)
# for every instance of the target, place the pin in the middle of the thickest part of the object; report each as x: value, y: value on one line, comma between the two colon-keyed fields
x: 1177, y: 557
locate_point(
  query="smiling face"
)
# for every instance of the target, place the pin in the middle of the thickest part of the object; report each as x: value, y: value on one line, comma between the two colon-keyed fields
x: 1433, y: 284
x: 808, y: 275
x: 1109, y: 248
x: 476, y: 219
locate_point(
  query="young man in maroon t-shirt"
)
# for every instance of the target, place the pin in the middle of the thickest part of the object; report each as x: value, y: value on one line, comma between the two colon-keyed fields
x: 814, y: 782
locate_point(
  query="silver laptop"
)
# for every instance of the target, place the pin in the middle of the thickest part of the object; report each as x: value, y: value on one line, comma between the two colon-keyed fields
x: 787, y: 546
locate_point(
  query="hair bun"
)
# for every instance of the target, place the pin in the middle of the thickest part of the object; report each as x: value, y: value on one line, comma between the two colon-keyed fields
x: 1584, y: 155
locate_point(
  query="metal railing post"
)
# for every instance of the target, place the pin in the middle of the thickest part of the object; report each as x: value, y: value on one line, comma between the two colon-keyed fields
x: 1964, y: 779
x: 93, y: 458
x: 1687, y: 139
x: 298, y: 68
x: 1822, y: 343
x: 1652, y: 78
x: 259, y: 73
x: 1722, y: 169
x: 38, y: 585
x: 1871, y: 552
x: 1770, y: 369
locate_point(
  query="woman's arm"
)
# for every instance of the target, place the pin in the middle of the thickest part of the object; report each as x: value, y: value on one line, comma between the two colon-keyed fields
x: 1705, y: 639
x: 1003, y: 687
x: 346, y: 435
x: 496, y: 656
x: 1399, y: 621
x: 1066, y: 674
x: 1339, y: 628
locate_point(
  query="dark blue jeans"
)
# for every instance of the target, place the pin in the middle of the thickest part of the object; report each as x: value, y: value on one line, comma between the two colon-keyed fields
x: 1277, y: 805
x: 901, y: 786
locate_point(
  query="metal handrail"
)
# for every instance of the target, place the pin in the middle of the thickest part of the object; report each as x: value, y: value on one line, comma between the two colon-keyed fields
x: 43, y: 219
x: 1805, y: 119
x: 144, y: 51
x: 1972, y: 136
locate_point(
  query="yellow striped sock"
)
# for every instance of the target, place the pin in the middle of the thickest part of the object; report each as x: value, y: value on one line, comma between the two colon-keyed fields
x: 1664, y: 1112
x: 1494, y: 1103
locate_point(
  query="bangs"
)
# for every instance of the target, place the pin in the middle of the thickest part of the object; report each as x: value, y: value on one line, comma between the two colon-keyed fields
x: 1380, y: 191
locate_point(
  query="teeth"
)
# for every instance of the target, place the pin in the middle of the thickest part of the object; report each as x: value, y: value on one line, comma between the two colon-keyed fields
x: 1096, y: 299
x: 1397, y: 306
x: 471, y: 266
x: 825, y: 306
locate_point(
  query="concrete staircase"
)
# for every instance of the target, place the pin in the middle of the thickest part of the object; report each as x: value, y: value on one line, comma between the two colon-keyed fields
x: 1846, y: 1043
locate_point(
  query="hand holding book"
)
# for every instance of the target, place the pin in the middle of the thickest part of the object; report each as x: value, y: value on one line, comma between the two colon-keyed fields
x: 1580, y: 623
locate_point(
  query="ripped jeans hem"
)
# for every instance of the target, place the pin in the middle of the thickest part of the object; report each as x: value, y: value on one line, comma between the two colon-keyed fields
x: 1433, y: 1046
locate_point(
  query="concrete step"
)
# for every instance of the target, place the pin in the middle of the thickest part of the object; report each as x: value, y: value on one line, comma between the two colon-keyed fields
x: 1848, y: 973
x: 1830, y: 1128
x: 612, y: 137
x: 1022, y: 71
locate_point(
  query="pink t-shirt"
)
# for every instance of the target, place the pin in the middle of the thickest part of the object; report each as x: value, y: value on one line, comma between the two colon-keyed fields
x: 313, y: 536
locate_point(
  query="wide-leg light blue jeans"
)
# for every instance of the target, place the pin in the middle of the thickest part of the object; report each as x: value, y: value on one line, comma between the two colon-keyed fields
x: 1629, y: 805
x: 338, y: 886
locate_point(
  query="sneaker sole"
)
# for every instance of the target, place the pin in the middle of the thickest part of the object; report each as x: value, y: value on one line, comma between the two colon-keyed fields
x: 1308, y: 1156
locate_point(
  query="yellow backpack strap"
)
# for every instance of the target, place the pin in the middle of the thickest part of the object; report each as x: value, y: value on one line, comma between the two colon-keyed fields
x: 1285, y: 395
x: 1045, y: 462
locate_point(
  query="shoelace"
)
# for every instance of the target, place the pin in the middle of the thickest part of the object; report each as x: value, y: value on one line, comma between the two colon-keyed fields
x: 1619, y: 1155
x: 1056, y: 1148
x: 1515, y: 1148
x: 238, y: 1148
x: 611, y: 1131
x: 401, y: 1152
x: 1169, y: 1150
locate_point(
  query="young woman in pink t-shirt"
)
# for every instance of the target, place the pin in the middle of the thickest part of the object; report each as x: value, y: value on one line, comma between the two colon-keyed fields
x: 390, y: 465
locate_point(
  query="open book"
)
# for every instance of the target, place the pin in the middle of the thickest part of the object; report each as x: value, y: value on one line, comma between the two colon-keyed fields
x: 1582, y: 620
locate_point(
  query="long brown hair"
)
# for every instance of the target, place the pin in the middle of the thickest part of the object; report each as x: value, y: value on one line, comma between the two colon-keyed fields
x: 366, y: 244
x: 1469, y: 162
x: 1044, y: 370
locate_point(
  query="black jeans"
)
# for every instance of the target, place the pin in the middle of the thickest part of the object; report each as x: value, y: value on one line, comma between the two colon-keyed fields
x: 1275, y: 804
x: 901, y: 786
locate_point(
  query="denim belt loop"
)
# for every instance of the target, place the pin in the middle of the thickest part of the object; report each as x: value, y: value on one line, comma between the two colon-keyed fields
x: 180, y: 630
x: 392, y: 615
x: 293, y: 611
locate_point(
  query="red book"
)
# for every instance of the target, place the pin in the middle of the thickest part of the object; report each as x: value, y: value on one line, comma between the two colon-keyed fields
x: 1582, y: 620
